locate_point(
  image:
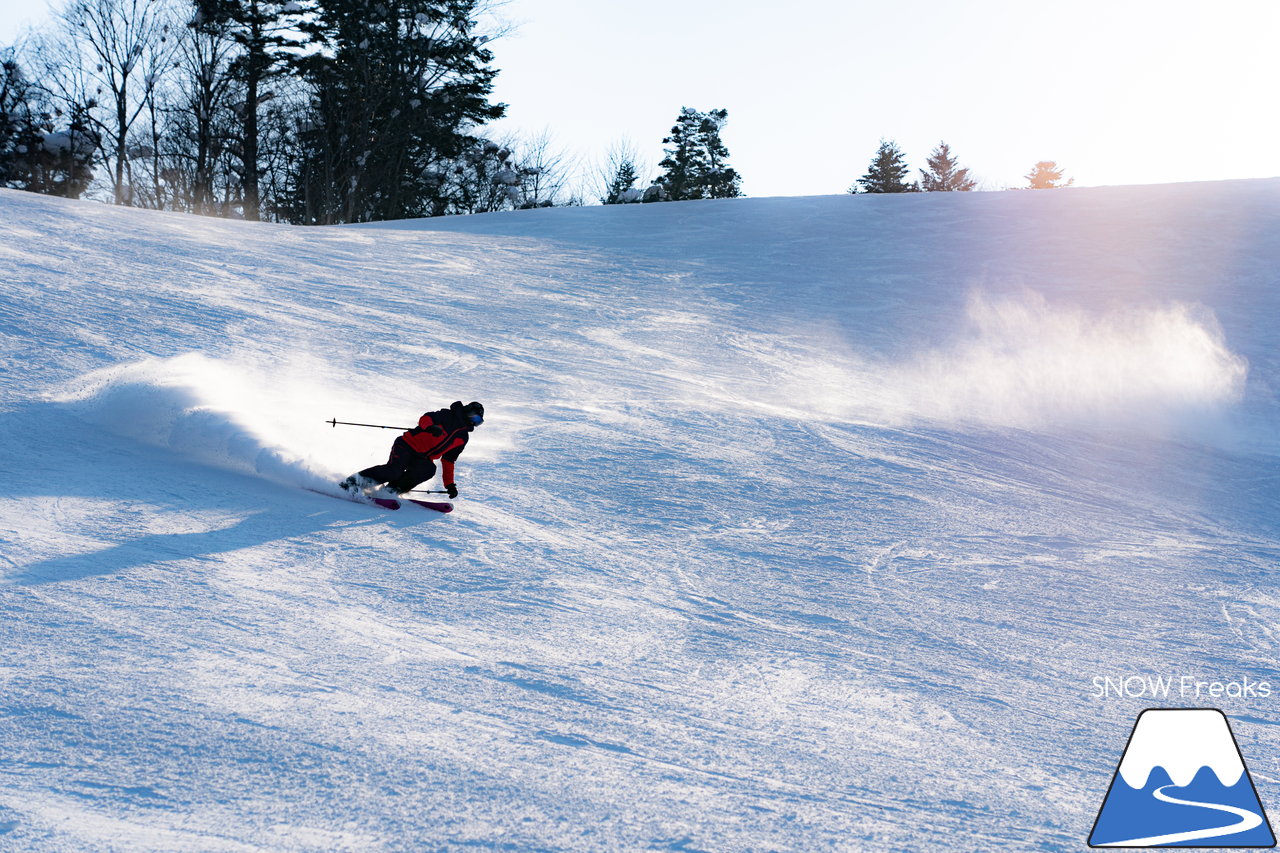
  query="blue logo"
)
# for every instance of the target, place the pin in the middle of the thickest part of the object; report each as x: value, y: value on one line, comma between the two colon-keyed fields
x: 1182, y: 782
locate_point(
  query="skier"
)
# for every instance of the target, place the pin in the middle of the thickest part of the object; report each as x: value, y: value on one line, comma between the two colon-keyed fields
x: 439, y: 435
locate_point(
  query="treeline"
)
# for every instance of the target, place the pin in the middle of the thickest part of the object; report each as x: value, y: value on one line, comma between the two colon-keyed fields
x: 888, y: 173
x: 305, y: 111
x: 696, y: 166
x: 323, y: 112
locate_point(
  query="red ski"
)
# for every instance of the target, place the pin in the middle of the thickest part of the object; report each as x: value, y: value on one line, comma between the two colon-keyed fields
x: 438, y: 506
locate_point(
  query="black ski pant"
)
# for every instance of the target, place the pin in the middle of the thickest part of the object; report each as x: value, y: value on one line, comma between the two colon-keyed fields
x: 404, y: 470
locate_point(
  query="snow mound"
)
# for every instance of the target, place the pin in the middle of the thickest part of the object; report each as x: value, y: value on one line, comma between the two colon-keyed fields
x: 220, y: 413
x: 1020, y: 361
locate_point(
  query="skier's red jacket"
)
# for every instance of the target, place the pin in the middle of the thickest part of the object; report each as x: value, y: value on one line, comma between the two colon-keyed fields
x: 447, y: 447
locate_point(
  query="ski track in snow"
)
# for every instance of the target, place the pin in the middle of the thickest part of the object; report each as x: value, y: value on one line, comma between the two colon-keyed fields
x: 794, y: 524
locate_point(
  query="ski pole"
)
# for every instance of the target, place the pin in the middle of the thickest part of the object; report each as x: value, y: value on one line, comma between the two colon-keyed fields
x: 334, y: 423
x: 426, y: 492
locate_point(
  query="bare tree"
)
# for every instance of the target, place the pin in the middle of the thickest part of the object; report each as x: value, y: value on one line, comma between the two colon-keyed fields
x: 113, y: 54
x: 544, y: 171
x: 279, y: 154
x: 150, y: 147
x: 205, y: 54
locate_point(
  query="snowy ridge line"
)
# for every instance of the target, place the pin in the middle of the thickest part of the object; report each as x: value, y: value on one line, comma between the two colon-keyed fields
x: 197, y: 407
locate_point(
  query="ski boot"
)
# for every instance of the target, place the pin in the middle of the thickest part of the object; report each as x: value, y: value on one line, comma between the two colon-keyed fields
x: 391, y: 490
x: 356, y: 483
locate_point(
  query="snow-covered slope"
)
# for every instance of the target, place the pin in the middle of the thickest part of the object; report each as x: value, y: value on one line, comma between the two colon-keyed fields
x: 794, y: 523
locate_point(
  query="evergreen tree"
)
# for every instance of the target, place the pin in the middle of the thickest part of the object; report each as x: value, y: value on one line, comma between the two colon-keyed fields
x: 491, y: 176
x: 887, y: 172
x: 400, y: 86
x: 943, y: 174
x: 483, y: 179
x: 264, y: 30
x: 34, y: 156
x: 1046, y: 175
x: 720, y: 180
x: 616, y: 178
x: 653, y: 193
x: 622, y: 188
x: 697, y: 161
x: 684, y: 162
x: 17, y: 119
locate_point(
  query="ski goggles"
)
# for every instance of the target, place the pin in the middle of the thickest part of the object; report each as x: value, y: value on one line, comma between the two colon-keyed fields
x: 476, y: 419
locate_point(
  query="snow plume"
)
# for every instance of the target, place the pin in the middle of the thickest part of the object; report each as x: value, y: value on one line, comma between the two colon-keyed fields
x: 221, y: 413
x: 1019, y: 361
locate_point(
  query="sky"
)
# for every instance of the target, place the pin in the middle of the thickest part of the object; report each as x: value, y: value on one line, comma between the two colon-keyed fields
x: 1117, y: 92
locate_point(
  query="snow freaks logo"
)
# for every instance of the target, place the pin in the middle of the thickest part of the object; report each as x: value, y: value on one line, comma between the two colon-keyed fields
x: 1184, y: 686
x: 1181, y: 783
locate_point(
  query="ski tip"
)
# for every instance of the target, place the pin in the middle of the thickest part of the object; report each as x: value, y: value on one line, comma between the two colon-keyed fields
x: 438, y: 506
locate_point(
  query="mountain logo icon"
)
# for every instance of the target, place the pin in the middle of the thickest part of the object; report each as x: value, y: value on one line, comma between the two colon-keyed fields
x: 1182, y: 782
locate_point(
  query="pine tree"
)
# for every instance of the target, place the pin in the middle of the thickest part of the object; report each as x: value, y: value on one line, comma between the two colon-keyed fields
x: 1046, y: 175
x: 683, y: 163
x: 720, y: 180
x: 622, y: 189
x: 617, y: 175
x: 696, y: 165
x: 943, y: 174
x: 33, y: 155
x: 887, y: 172
x: 400, y: 87
x: 17, y: 120
x: 485, y: 178
x: 264, y: 31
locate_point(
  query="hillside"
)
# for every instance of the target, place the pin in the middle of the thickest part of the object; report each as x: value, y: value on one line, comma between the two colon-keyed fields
x: 794, y: 523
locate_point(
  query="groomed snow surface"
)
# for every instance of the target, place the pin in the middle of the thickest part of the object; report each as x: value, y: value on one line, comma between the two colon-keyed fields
x: 795, y: 524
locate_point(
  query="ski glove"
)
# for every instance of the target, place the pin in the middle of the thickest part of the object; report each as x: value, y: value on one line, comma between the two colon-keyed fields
x: 451, y: 489
x: 435, y: 429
